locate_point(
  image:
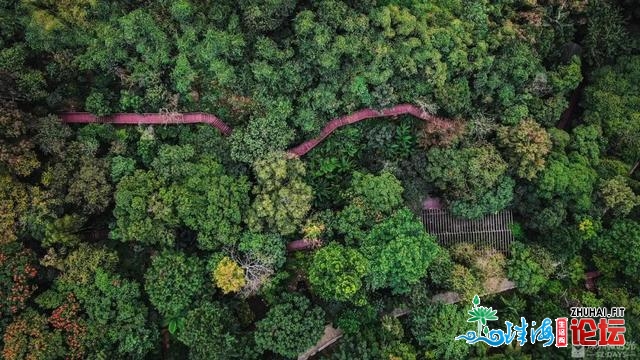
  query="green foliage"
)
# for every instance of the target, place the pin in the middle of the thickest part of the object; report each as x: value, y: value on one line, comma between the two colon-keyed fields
x: 290, y: 327
x: 576, y: 270
x: 22, y: 81
x: 490, y: 202
x: 207, y: 332
x: 180, y: 191
x: 267, y: 249
x: 464, y: 282
x: 117, y: 319
x: 121, y: 167
x: 210, y: 202
x: 16, y: 149
x: 63, y: 231
x: 607, y: 37
x: 97, y: 104
x: 51, y: 135
x: 363, y: 345
x: 370, y: 199
x: 142, y: 210
x: 467, y: 173
x: 398, y: 350
x: 570, y: 179
x: 89, y: 188
x: 512, y: 308
x: 618, y: 196
x: 265, y: 15
x: 618, y: 248
x: 473, y: 178
x: 352, y: 320
x: 261, y: 136
x: 527, y: 145
x: 278, y: 71
x: 379, y: 194
x: 529, y: 267
x: 173, y: 282
x: 282, y: 198
x: 399, y: 252
x: 434, y: 328
x: 567, y: 77
x: 612, y: 102
x: 440, y: 270
x: 337, y: 273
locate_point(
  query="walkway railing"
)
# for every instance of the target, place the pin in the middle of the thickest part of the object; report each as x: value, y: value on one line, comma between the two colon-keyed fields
x: 147, y: 118
x: 300, y: 150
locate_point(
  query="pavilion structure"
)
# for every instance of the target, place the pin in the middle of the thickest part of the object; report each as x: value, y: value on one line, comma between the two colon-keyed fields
x: 492, y: 231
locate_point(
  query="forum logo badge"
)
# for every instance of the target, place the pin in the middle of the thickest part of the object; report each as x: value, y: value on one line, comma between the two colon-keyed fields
x: 589, y: 327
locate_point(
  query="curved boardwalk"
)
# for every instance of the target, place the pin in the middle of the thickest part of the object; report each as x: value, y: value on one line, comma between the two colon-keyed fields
x: 191, y: 118
x: 402, y: 109
x: 146, y: 118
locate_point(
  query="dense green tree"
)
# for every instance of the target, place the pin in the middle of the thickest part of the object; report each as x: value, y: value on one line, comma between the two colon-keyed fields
x: 117, y: 319
x: 207, y: 333
x: 379, y: 194
x: 195, y: 193
x: 618, y: 196
x: 399, y: 252
x: 363, y: 345
x: 465, y: 173
x: 588, y: 142
x: 277, y: 71
x: 13, y: 205
x: 266, y: 16
x: 261, y: 136
x: 114, y: 319
x: 20, y: 80
x: 337, y: 272
x: 268, y: 249
x: 567, y: 183
x: 52, y: 135
x: 607, y: 36
x: 473, y: 178
x: 370, y: 198
x: 290, y: 327
x: 282, y: 198
x: 435, y: 327
x: 89, y: 188
x: 617, y: 249
x: 611, y: 102
x: 490, y: 202
x: 526, y: 146
x: 173, y: 282
x: 16, y: 149
x: 142, y: 211
x: 63, y: 231
x: 529, y: 267
x: 212, y: 203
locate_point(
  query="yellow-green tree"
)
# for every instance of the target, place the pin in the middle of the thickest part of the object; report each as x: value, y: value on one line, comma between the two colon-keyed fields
x: 526, y: 147
x: 229, y: 276
x: 282, y: 198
